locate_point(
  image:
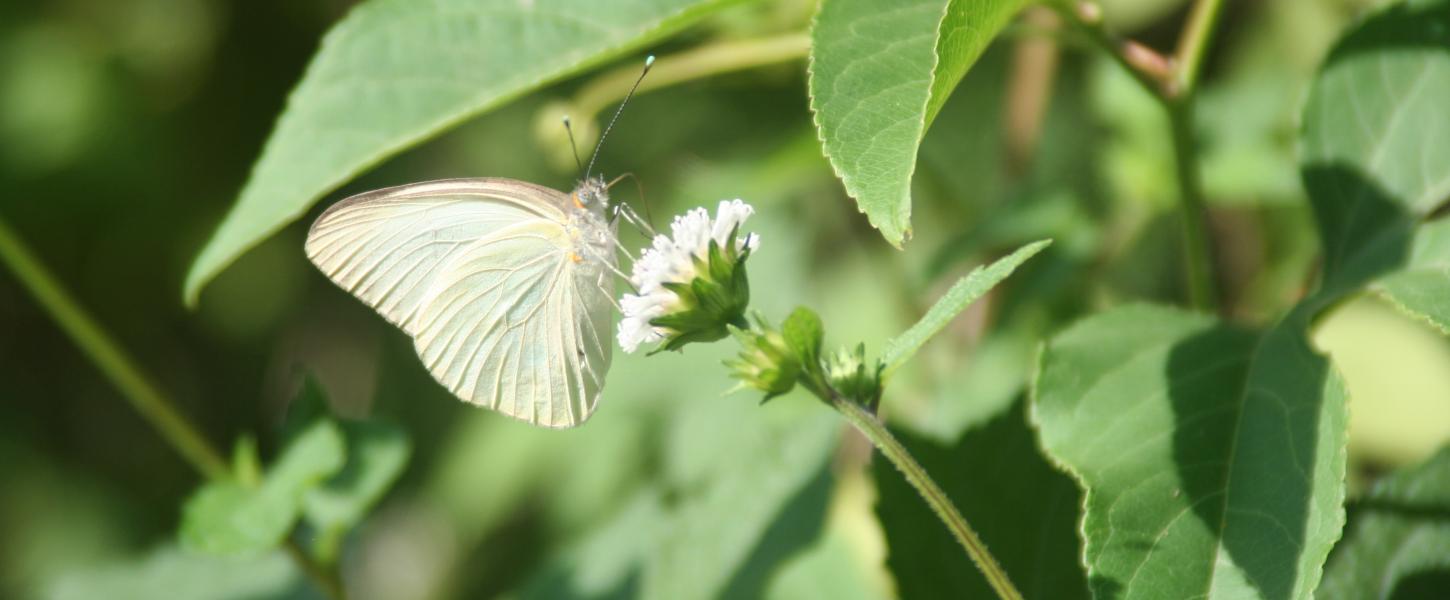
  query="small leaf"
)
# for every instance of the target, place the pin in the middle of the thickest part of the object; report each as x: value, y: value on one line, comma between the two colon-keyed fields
x: 803, y: 334
x: 880, y: 72
x: 966, y: 291
x: 228, y: 518
x: 376, y: 455
x: 1004, y: 488
x: 1398, y: 541
x: 232, y: 518
x: 1213, y: 457
x: 393, y: 73
x: 1376, y: 141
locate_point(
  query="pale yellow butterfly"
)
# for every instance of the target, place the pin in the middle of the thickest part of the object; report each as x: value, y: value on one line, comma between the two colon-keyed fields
x: 505, y: 286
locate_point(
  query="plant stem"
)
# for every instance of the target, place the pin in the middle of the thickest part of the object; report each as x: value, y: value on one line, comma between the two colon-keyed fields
x: 697, y: 63
x: 1173, y: 82
x: 876, y: 431
x: 1202, y: 292
x: 1193, y: 43
x: 109, y: 358
x: 325, y: 579
x: 144, y: 396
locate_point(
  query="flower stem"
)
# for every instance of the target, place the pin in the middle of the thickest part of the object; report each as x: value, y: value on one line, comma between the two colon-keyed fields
x: 876, y: 431
x: 144, y: 396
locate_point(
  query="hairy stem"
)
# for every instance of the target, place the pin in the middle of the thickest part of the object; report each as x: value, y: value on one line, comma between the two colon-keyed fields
x: 876, y: 431
x: 123, y: 372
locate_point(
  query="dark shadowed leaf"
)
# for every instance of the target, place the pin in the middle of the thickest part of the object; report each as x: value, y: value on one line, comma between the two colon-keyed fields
x: 1398, y: 542
x: 1024, y: 510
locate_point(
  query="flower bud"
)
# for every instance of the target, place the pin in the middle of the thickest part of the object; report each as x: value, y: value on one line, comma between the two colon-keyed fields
x: 765, y: 362
x: 853, y: 377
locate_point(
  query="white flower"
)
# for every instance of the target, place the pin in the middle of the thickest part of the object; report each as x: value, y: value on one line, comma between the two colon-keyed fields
x: 672, y: 259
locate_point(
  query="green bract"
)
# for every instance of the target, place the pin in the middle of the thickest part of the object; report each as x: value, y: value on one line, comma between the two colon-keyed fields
x: 711, y: 302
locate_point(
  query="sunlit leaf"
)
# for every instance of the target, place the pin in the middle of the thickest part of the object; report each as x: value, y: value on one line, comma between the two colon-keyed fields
x: 879, y: 73
x: 1398, y: 542
x: 1004, y: 488
x: 1376, y: 139
x: 1213, y: 457
x: 966, y: 291
x: 395, y: 72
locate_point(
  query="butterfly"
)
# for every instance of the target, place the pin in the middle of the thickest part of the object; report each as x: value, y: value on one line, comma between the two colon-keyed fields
x: 505, y: 286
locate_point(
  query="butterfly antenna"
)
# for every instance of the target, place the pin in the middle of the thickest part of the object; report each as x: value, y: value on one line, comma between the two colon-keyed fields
x: 648, y: 62
x: 573, y: 147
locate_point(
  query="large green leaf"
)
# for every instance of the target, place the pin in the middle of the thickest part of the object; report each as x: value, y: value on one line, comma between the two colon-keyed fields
x: 1213, y: 457
x: 1024, y: 510
x: 880, y: 72
x: 1398, y: 541
x: 961, y: 295
x: 395, y: 72
x: 1376, y: 140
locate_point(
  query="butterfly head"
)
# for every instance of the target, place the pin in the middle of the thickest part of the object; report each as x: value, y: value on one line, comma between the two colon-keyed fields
x: 591, y: 193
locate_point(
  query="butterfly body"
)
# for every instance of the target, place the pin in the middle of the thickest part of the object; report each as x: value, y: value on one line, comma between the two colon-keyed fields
x: 505, y: 286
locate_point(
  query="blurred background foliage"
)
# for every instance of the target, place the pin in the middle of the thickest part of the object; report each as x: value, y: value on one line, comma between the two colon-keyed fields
x: 127, y: 127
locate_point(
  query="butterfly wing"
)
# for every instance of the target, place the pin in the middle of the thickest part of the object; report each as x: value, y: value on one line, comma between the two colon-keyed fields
x: 387, y: 246
x: 513, y: 324
x: 481, y: 273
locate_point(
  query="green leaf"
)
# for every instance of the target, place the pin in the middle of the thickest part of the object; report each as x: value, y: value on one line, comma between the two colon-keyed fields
x: 1375, y: 148
x: 880, y: 72
x: 229, y: 517
x: 803, y: 333
x: 170, y: 572
x: 1005, y: 489
x: 376, y: 455
x: 1213, y: 457
x: 1398, y: 542
x: 1422, y: 288
x: 393, y: 73
x: 606, y: 563
x: 754, y: 494
x: 966, y: 291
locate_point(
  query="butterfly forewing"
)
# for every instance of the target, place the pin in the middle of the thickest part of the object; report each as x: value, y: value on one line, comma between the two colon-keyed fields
x: 386, y: 246
x: 487, y: 277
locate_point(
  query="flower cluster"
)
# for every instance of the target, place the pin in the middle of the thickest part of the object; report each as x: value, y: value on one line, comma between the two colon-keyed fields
x: 690, y: 285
